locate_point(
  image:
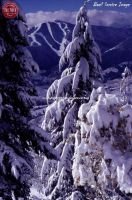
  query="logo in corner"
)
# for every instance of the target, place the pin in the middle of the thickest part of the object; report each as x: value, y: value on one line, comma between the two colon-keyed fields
x: 10, y: 10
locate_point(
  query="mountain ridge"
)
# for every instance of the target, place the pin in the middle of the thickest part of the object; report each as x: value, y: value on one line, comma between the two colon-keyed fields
x: 46, y: 39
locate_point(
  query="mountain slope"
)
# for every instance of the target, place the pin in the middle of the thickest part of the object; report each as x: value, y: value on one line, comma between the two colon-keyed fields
x: 46, y: 39
x: 119, y: 53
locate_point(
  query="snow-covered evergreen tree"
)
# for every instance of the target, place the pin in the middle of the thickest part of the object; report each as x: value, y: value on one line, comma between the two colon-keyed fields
x: 103, y: 148
x: 80, y: 66
x: 65, y: 41
x: 126, y: 85
x: 17, y: 136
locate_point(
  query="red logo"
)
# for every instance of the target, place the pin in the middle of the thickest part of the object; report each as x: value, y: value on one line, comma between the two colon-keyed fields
x: 10, y: 10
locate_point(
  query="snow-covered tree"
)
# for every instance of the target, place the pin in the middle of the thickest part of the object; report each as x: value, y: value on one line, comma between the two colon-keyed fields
x: 80, y: 66
x: 103, y: 148
x: 0, y: 105
x: 126, y: 85
x: 18, y: 138
x: 65, y: 41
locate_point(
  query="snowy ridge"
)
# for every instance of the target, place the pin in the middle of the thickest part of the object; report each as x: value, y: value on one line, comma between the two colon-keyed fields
x: 111, y: 69
x: 114, y: 48
x: 121, y: 45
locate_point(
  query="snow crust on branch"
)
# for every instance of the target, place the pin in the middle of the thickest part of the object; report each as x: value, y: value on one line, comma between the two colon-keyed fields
x: 53, y: 114
x: 104, y: 143
x: 81, y: 72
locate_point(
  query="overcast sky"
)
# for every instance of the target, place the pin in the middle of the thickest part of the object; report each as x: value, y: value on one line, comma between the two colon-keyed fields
x: 39, y: 11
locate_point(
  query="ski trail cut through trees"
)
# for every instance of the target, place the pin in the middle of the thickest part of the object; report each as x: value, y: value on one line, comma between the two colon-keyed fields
x: 50, y: 31
x: 41, y: 35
